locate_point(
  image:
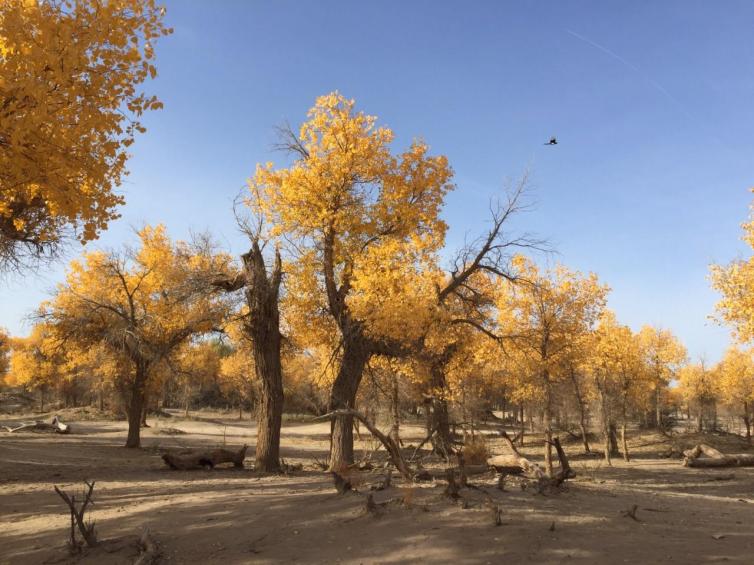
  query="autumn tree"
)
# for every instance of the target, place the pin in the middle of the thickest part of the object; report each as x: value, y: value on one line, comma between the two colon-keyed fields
x: 36, y: 364
x: 354, y: 213
x: 735, y: 282
x: 142, y: 303
x: 5, y: 347
x: 70, y: 105
x: 699, y: 387
x: 663, y: 356
x: 546, y: 314
x: 619, y: 375
x: 735, y: 374
x: 193, y: 363
x: 237, y: 373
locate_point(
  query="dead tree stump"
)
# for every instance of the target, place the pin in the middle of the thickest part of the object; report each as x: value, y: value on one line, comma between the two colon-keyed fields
x: 78, y: 517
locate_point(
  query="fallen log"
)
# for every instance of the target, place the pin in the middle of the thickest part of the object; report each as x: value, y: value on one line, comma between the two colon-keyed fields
x: 55, y: 426
x: 704, y: 456
x: 514, y: 463
x: 188, y: 459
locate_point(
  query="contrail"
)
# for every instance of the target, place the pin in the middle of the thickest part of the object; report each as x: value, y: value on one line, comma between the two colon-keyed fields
x: 661, y: 89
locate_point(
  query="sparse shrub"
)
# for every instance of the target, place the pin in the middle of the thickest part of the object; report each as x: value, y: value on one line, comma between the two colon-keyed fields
x: 475, y: 450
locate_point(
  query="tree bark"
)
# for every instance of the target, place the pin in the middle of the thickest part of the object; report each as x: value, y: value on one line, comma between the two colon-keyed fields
x: 439, y: 417
x: 747, y: 422
x: 343, y: 397
x: 136, y: 405
x: 395, y: 429
x: 582, y: 410
x: 547, y: 423
x: 613, y: 435
x: 523, y: 427
x: 263, y: 326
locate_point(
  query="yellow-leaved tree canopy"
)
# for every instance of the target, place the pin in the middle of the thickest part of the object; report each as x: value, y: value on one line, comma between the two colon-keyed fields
x: 359, y: 216
x: 4, y: 353
x: 735, y: 375
x: 546, y: 316
x: 141, y: 303
x: 735, y: 282
x: 70, y: 106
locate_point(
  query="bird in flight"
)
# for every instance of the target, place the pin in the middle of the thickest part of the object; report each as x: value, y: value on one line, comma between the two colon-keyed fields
x: 553, y: 141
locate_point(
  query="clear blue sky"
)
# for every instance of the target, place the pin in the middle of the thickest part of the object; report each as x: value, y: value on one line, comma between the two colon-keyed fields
x: 653, y: 104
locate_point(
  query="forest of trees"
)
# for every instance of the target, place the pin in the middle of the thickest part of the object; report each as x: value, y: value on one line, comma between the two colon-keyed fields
x: 345, y: 299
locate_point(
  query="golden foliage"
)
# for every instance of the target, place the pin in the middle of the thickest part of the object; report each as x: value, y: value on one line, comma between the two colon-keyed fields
x: 69, y: 78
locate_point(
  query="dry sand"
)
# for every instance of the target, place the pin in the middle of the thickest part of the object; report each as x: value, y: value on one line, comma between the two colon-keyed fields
x: 234, y: 516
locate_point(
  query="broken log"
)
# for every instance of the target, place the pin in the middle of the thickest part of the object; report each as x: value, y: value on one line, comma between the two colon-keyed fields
x: 515, y: 463
x: 705, y: 456
x: 39, y: 426
x: 188, y: 459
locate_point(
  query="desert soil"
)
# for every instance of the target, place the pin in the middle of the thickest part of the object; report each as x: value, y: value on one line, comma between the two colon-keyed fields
x: 236, y: 516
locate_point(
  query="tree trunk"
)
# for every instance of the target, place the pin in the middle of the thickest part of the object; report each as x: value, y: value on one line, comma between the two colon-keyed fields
x: 547, y: 424
x: 343, y: 397
x: 187, y: 397
x: 270, y: 409
x: 395, y: 430
x: 624, y: 417
x: 613, y: 435
x: 102, y: 395
x: 747, y: 422
x: 523, y: 426
x: 439, y: 419
x: 136, y: 405
x: 582, y: 410
x: 658, y: 406
x: 624, y: 442
x: 701, y: 417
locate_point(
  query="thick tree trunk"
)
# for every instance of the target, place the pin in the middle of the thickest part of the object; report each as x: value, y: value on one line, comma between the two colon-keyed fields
x: 343, y: 397
x: 439, y: 417
x: 262, y: 291
x: 613, y: 435
x: 270, y: 410
x: 136, y: 405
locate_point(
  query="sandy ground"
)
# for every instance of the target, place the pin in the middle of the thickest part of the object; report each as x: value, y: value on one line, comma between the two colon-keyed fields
x: 235, y: 516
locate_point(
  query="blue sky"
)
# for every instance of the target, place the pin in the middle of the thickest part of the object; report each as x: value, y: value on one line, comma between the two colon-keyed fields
x: 653, y: 104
